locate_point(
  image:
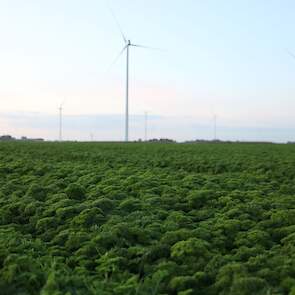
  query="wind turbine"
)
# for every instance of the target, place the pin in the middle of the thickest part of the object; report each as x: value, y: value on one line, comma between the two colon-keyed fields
x: 60, y: 120
x: 215, y: 122
x: 127, y: 45
x: 145, y: 125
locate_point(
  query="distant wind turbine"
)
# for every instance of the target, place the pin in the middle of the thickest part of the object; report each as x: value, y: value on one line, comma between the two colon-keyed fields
x: 60, y: 120
x: 127, y: 45
x: 145, y: 125
x: 215, y: 127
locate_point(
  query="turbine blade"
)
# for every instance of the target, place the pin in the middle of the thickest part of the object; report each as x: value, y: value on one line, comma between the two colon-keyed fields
x: 146, y: 47
x: 118, y: 25
x: 290, y: 53
x: 117, y: 57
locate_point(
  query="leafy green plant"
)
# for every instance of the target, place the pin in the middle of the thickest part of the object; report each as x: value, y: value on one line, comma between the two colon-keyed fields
x: 147, y: 219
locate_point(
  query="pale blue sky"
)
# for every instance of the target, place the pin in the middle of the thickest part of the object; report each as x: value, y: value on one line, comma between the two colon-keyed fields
x: 222, y: 56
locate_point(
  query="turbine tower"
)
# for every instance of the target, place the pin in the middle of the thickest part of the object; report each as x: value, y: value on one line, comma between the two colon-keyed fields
x: 215, y: 122
x: 145, y: 125
x: 127, y: 45
x: 60, y: 120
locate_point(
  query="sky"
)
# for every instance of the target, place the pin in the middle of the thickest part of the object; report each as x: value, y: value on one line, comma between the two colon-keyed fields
x: 227, y: 58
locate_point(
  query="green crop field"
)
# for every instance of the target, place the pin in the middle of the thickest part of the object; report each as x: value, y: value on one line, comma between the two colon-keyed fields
x: 106, y: 218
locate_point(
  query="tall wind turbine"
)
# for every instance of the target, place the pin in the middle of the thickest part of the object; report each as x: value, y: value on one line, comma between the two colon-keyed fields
x: 127, y: 45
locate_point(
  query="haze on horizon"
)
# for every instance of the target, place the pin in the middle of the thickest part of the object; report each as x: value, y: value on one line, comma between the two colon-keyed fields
x: 225, y: 57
